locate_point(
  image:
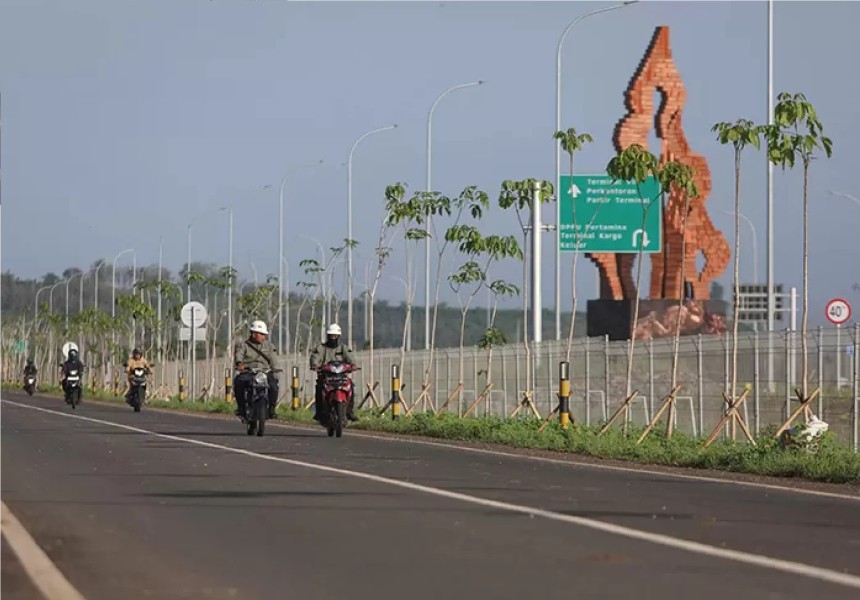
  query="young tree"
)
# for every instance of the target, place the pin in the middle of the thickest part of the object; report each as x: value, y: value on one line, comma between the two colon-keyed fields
x: 519, y: 195
x: 481, y: 251
x: 637, y: 164
x: 572, y: 142
x: 797, y: 133
x: 739, y: 134
x: 472, y: 202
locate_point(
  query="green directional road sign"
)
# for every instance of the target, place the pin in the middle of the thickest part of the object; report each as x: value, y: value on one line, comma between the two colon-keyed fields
x: 609, y: 215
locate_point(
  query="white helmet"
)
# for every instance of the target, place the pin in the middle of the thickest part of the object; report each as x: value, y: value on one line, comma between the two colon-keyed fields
x: 333, y: 329
x: 259, y: 327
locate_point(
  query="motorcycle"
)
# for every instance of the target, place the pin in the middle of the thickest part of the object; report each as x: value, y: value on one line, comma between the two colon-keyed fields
x: 337, y: 392
x: 72, y: 387
x: 30, y: 384
x: 137, y: 393
x: 257, y: 405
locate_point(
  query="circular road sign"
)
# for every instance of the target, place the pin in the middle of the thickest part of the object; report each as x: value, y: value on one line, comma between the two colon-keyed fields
x: 838, y: 311
x: 69, y: 346
x: 199, y: 314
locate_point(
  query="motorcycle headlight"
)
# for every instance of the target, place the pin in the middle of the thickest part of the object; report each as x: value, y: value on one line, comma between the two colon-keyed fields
x: 261, y: 379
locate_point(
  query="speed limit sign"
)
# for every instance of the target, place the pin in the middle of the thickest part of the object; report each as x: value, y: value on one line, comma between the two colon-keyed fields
x: 838, y: 311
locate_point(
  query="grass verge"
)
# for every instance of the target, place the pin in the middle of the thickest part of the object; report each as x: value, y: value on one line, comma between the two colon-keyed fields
x: 833, y: 463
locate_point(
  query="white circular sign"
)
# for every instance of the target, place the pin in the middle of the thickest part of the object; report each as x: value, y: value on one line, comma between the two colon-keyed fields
x: 838, y: 311
x: 199, y: 314
x: 69, y: 346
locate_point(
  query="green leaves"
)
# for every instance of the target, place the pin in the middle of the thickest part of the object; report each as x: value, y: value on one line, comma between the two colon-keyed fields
x: 518, y: 194
x: 634, y: 163
x: 740, y: 134
x: 674, y: 175
x: 571, y: 141
x: 492, y: 337
x: 637, y: 164
x: 796, y: 132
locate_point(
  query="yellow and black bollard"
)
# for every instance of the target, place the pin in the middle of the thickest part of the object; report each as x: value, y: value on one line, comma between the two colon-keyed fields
x: 228, y: 385
x: 181, y: 386
x: 294, y: 388
x: 564, y: 394
x: 395, y: 391
x: 93, y: 383
x: 116, y: 384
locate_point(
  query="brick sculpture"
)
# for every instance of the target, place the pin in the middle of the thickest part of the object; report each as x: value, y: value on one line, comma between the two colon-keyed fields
x: 657, y: 71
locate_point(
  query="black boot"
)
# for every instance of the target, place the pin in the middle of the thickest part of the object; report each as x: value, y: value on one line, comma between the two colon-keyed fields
x: 350, y: 414
x: 272, y: 413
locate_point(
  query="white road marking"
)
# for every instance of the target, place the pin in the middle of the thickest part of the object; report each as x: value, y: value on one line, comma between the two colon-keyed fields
x: 757, y: 560
x: 570, y: 462
x: 45, y: 575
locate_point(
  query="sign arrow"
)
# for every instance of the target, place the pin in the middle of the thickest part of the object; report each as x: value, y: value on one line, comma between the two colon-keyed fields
x: 575, y: 191
x: 644, y: 235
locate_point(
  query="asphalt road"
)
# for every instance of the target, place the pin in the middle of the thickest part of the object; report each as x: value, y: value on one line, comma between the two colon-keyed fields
x: 207, y: 512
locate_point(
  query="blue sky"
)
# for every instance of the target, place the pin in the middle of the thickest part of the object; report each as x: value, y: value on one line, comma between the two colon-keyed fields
x: 125, y: 120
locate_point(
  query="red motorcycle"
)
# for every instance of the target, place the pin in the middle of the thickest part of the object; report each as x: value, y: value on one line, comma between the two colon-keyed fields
x: 337, y: 392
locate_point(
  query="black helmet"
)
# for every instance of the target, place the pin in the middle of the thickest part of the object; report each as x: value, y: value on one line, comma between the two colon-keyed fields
x: 29, y: 362
x: 73, y: 353
x: 136, y: 352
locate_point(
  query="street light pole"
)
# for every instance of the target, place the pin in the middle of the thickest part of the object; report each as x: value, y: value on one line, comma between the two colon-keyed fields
x: 188, y: 268
x: 36, y: 302
x: 771, y: 300
x: 754, y: 240
x: 429, y: 189
x: 844, y: 195
x: 96, y: 286
x: 349, y: 230
x: 558, y: 156
x: 51, y: 296
x: 281, y: 316
x: 113, y: 290
x: 160, y: 283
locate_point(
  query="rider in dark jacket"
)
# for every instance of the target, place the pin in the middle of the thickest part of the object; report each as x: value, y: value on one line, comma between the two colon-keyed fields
x: 73, y: 363
x: 330, y: 351
x: 254, y: 353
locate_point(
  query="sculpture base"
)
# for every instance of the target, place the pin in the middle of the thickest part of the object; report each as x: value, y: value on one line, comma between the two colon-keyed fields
x: 657, y: 318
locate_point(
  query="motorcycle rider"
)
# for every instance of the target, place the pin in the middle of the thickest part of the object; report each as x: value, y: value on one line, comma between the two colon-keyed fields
x: 254, y: 353
x: 136, y: 362
x: 329, y: 351
x: 73, y: 363
x: 30, y: 370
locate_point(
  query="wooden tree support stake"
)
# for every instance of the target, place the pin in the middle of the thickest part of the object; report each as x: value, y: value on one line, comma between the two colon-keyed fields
x: 483, y: 396
x: 733, y: 415
x: 549, y: 417
x: 456, y: 391
x: 668, y: 403
x: 526, y: 402
x: 804, y: 408
x: 423, y: 397
x: 625, y: 406
x: 370, y: 395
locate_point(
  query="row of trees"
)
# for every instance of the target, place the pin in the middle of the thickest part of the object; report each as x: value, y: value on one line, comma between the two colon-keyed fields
x: 453, y: 226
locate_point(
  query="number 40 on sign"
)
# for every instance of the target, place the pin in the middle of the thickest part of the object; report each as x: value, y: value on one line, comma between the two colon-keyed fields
x: 838, y: 311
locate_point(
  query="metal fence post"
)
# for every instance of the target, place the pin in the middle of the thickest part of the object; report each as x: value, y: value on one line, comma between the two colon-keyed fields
x: 787, y: 374
x: 650, y: 378
x: 856, y: 385
x: 606, y: 374
x: 587, y: 381
x: 821, y: 372
x: 700, y: 376
x: 756, y: 384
